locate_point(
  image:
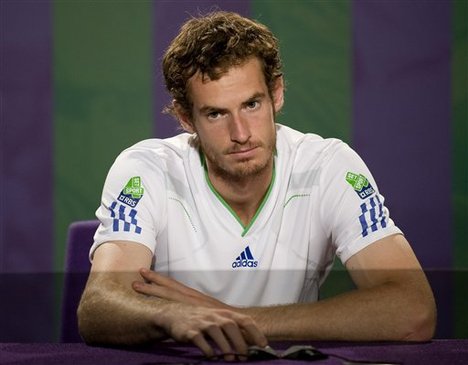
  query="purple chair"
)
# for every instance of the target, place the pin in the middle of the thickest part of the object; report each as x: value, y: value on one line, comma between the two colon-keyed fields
x: 77, y: 266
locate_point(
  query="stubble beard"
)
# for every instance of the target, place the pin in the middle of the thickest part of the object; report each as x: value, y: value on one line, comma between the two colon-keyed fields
x: 243, y: 169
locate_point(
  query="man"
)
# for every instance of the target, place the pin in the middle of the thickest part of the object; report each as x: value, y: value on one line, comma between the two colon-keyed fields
x: 222, y: 236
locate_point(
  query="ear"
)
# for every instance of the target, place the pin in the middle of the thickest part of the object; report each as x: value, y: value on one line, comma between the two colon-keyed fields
x: 278, y: 93
x: 184, y: 119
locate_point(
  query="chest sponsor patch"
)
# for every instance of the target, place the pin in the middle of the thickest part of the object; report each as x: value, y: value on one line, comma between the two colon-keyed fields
x: 132, y: 192
x: 360, y: 184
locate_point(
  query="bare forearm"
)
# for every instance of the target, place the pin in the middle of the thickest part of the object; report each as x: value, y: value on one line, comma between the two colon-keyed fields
x: 386, y: 312
x: 117, y: 315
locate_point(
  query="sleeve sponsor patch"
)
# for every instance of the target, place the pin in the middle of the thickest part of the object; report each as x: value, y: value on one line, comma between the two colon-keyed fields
x: 360, y: 184
x: 124, y: 218
x: 132, y: 192
x: 372, y: 216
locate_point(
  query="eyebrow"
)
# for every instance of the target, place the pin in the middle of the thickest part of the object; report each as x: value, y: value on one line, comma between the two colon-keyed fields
x: 213, y: 109
x: 254, y: 97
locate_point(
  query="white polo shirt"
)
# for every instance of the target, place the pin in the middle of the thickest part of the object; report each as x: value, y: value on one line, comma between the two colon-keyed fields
x: 322, y: 201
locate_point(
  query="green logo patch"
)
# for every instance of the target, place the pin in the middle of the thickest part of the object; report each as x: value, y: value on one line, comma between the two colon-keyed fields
x: 132, y: 192
x: 360, y: 184
x: 134, y: 188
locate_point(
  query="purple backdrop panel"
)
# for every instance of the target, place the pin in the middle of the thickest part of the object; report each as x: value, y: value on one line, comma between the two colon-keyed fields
x: 26, y: 220
x: 168, y: 17
x: 402, y: 118
x: 402, y: 115
x: 26, y: 137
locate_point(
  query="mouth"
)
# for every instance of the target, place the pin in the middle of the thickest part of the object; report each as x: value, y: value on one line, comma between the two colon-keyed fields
x: 244, y: 152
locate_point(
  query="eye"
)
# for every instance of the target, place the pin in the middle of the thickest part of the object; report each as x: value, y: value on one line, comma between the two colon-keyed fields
x: 214, y: 115
x: 252, y: 105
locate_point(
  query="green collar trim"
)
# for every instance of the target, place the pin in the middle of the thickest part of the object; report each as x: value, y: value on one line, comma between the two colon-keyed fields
x: 265, y: 198
x: 228, y: 207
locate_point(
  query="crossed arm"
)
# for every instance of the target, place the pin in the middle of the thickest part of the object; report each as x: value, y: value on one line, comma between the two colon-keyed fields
x: 393, y: 301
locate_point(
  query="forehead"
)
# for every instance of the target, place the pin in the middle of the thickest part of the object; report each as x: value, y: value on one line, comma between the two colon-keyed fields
x: 237, y: 83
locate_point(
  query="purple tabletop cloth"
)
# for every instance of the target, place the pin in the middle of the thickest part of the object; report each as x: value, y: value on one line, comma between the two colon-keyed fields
x: 451, y: 352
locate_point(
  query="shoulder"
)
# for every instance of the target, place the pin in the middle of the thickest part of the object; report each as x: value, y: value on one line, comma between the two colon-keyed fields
x: 150, y: 160
x: 177, y: 145
x: 310, y: 148
x: 155, y: 152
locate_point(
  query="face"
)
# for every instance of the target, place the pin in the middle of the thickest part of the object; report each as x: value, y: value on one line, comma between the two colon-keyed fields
x: 234, y: 120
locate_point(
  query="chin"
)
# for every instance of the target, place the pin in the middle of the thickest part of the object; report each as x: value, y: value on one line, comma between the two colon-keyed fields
x: 246, y: 169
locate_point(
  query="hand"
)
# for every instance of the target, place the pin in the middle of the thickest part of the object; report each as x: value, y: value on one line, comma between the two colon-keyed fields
x: 198, y: 317
x: 161, y: 286
x: 231, y: 332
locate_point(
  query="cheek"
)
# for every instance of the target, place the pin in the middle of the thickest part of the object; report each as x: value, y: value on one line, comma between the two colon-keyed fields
x: 265, y: 123
x: 211, y: 138
x: 216, y: 132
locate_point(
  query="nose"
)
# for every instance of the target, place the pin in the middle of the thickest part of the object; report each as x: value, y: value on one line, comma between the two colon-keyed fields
x: 239, y: 129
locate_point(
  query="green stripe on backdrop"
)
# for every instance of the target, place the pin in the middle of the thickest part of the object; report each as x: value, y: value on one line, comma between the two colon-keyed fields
x: 460, y: 158
x: 102, y: 91
x: 315, y: 41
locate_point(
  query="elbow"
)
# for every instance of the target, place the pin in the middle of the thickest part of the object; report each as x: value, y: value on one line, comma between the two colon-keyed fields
x: 85, y: 317
x: 421, y: 323
x: 89, y: 317
x: 422, y: 328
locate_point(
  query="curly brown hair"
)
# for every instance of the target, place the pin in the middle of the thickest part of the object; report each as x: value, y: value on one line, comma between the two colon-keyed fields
x: 213, y: 43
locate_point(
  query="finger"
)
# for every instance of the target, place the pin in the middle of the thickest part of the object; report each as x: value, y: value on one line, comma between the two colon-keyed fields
x: 250, y: 330
x: 157, y: 278
x: 179, y: 291
x: 221, y: 342
x: 166, y: 281
x: 171, y: 294
x: 236, y: 338
x: 156, y: 291
x: 199, y: 340
x: 254, y: 336
x: 150, y: 275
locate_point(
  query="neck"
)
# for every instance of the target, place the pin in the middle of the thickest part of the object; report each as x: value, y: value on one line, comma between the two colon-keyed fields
x: 245, y: 195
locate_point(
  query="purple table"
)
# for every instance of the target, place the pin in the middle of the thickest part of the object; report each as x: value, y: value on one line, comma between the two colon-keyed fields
x: 436, y: 352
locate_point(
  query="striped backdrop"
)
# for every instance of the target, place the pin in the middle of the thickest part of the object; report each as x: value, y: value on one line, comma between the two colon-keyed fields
x: 81, y: 81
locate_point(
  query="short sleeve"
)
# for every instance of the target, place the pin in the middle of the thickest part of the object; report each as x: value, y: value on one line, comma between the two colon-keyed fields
x: 353, y: 210
x: 132, y: 204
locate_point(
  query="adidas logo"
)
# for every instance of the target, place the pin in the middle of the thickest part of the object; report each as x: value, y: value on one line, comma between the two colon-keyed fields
x: 245, y: 259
